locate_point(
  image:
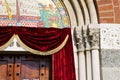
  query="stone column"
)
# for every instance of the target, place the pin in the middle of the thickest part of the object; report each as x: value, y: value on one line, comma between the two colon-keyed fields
x: 75, y: 54
x: 88, y: 53
x: 89, y: 64
x: 95, y: 32
x: 81, y: 54
x: 82, y: 65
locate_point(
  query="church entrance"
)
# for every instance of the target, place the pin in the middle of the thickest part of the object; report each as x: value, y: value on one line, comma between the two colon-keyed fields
x: 25, y: 67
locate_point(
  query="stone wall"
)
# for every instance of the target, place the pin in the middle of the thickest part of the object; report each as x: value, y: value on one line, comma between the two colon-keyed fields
x: 110, y: 51
x: 110, y: 64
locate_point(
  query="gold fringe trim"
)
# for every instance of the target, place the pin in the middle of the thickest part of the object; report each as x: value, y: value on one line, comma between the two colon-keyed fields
x: 8, y: 43
x: 50, y: 52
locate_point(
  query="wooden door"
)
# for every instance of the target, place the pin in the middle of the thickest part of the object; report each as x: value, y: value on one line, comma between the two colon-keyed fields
x: 21, y: 67
x: 6, y: 67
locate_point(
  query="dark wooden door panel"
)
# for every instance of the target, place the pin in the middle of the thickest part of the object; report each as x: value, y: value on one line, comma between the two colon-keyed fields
x: 44, y: 70
x: 25, y: 67
x: 10, y: 67
x: 30, y: 70
x: 6, y: 67
x: 17, y: 68
x: 3, y: 70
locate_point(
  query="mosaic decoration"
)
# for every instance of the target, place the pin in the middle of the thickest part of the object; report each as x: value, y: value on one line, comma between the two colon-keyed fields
x: 37, y: 13
x: 62, y: 12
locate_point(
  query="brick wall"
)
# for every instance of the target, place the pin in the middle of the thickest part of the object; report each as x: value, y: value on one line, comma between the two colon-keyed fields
x: 108, y: 11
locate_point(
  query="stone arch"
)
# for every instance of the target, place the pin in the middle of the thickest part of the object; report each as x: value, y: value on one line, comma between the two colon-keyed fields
x: 82, y: 14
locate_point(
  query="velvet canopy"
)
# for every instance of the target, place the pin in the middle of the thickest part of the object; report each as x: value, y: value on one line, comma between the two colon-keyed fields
x: 45, y: 41
x: 41, y: 41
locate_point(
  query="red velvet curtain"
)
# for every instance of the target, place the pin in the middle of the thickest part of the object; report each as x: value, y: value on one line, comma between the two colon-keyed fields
x: 63, y: 62
x: 5, y: 35
x: 44, y: 39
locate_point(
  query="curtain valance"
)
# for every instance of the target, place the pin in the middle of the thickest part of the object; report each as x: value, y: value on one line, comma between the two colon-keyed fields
x: 43, y: 41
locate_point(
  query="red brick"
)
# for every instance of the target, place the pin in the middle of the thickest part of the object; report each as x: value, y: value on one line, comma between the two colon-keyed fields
x: 108, y: 10
x: 117, y: 15
x: 106, y: 20
x: 106, y: 14
x: 115, y: 2
x: 105, y: 8
x: 102, y: 2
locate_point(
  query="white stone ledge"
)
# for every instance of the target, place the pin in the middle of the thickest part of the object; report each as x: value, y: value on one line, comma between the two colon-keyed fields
x: 110, y: 36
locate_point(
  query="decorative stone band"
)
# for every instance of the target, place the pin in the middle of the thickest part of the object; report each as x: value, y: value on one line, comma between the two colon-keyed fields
x: 110, y: 36
x: 98, y: 36
x: 87, y: 37
x: 105, y: 36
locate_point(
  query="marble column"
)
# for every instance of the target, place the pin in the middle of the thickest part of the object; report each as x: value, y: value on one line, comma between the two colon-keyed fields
x: 81, y: 53
x: 89, y: 64
x: 82, y: 65
x: 95, y: 32
x: 88, y: 53
x: 75, y: 54
x: 96, y: 65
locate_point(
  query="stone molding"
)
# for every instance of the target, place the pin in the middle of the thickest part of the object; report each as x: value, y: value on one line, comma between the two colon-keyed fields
x: 86, y: 37
x: 79, y: 38
x: 95, y: 36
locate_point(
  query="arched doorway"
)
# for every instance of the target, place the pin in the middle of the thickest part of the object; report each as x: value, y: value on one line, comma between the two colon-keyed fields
x: 38, y: 24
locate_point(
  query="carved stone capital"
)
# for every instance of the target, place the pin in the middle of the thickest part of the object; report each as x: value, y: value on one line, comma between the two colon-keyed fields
x: 79, y: 38
x: 86, y: 37
x: 95, y: 37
